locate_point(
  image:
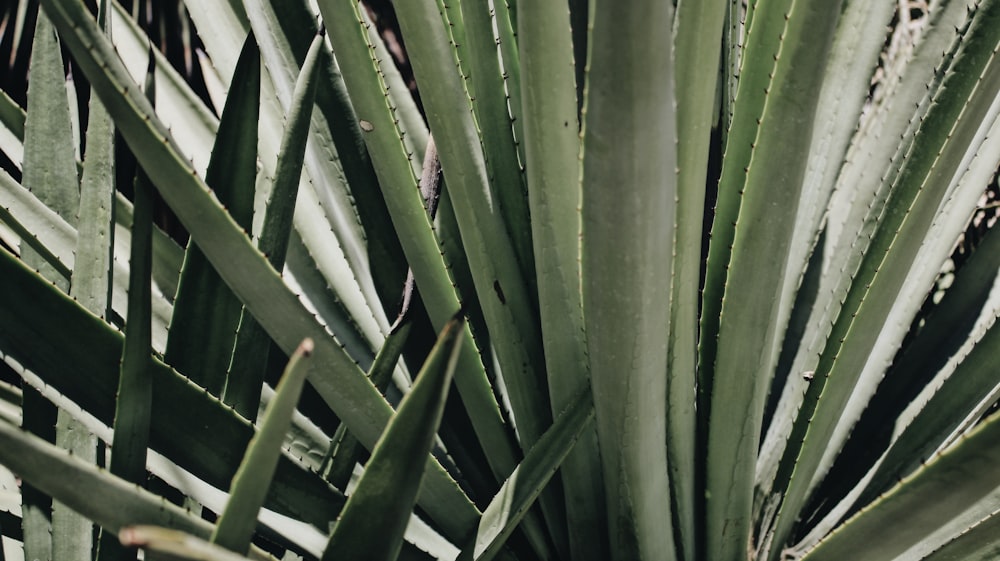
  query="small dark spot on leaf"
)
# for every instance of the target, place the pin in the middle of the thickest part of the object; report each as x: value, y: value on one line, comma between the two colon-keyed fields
x: 499, y: 291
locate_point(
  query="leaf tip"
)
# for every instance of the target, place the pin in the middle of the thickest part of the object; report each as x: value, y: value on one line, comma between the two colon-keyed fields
x: 306, y: 347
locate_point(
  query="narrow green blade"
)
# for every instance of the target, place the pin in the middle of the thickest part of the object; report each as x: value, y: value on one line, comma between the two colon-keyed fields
x: 919, y: 504
x: 246, y: 271
x: 49, y: 172
x: 134, y: 397
x: 373, y: 520
x: 163, y: 544
x: 629, y: 193
x: 349, y: 34
x: 698, y: 27
x: 498, y: 278
x: 766, y: 186
x: 253, y: 345
x: 77, y: 482
x: 206, y: 313
x: 519, y: 492
x: 542, y: 64
x: 345, y: 449
x: 235, y: 527
x: 34, y: 306
x: 970, y: 87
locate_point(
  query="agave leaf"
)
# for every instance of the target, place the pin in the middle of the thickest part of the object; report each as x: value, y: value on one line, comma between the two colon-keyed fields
x: 92, y: 270
x: 510, y: 60
x: 206, y: 313
x: 387, y: 491
x: 12, y: 129
x: 345, y: 450
x: 854, y: 55
x: 964, y: 193
x: 521, y: 489
x: 163, y: 544
x: 235, y: 527
x: 39, y: 227
x: 134, y: 396
x: 49, y: 169
x: 551, y: 144
x: 954, y: 119
x: 396, y: 178
x: 955, y: 325
x: 351, y: 396
x: 933, y: 495
x: 857, y: 44
x: 629, y: 194
x: 497, y: 133
x: 49, y: 172
x: 253, y: 345
x: 77, y: 482
x: 698, y: 28
x: 972, y: 381
x: 978, y: 543
x: 492, y: 258
x: 767, y: 190
x: 43, y: 230
x: 310, y: 273
x: 856, y: 206
x: 321, y: 158
x: 191, y: 123
x: 33, y: 306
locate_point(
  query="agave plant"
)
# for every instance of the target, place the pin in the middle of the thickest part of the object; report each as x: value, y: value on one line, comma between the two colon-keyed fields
x: 711, y: 281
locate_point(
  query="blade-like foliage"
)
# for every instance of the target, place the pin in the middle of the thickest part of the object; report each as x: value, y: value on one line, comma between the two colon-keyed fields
x: 751, y: 240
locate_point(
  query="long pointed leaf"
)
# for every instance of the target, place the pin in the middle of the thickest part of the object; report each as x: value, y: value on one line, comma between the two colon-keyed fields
x: 235, y: 527
x: 373, y: 521
x: 246, y: 271
x: 521, y: 489
x: 49, y: 172
x: 206, y: 313
x: 944, y: 488
x: 629, y: 194
x: 242, y: 389
x: 33, y: 306
x: 548, y: 97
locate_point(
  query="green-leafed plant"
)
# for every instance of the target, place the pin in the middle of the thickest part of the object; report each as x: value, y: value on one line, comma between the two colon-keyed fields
x: 712, y: 281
